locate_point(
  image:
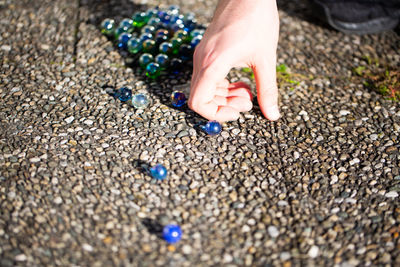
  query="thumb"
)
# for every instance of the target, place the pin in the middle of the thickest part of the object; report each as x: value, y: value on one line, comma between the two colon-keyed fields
x: 267, y: 91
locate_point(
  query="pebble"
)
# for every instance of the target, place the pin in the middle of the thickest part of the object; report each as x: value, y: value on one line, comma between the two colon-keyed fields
x: 273, y: 231
x: 392, y: 194
x: 313, y: 252
x: 69, y: 119
x: 87, y: 247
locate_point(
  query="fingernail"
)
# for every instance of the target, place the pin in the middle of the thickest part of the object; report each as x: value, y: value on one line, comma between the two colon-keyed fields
x: 273, y: 113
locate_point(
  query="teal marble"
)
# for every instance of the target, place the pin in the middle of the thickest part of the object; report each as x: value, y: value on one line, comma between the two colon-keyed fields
x: 153, y: 70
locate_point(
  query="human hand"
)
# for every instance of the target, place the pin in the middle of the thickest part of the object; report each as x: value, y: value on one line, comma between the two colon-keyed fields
x: 242, y: 33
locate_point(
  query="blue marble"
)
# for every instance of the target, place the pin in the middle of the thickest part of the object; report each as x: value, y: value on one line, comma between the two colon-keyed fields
x: 148, y: 29
x: 145, y: 36
x: 178, y: 99
x: 177, y: 19
x: 172, y: 233
x: 212, y: 127
x: 196, y: 32
x: 140, y: 101
x: 195, y: 41
x: 162, y: 60
x: 123, y: 94
x: 107, y: 27
x: 145, y: 59
x: 165, y: 48
x: 117, y: 32
x: 126, y: 24
x: 158, y: 172
x: 123, y: 40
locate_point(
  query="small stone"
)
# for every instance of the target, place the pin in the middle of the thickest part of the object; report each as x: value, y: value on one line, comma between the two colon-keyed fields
x: 313, y: 252
x: 87, y: 247
x: 34, y: 160
x: 20, y: 257
x: 88, y: 122
x: 69, y: 119
x: 273, y: 231
x: 392, y: 194
x: 186, y: 249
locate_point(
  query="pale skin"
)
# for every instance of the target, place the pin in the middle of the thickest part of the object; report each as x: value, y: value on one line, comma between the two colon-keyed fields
x: 242, y: 33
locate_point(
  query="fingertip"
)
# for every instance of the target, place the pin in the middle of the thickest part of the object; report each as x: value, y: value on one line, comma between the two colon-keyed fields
x: 272, y: 112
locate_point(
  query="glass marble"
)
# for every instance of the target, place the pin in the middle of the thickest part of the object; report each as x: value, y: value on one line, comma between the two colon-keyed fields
x: 178, y: 99
x: 140, y: 101
x: 173, y: 9
x: 154, y: 22
x: 196, y: 32
x: 118, y: 31
x: 145, y: 36
x: 162, y: 32
x: 176, y: 43
x: 152, y: 12
x: 176, y: 65
x: 158, y: 172
x: 185, y: 52
x: 107, y: 26
x: 145, y: 59
x: 162, y: 60
x: 165, y: 48
x: 181, y: 34
x: 177, y: 19
x: 140, y: 19
x: 149, y: 46
x: 190, y: 23
x: 195, y: 41
x: 134, y: 45
x: 126, y: 24
x: 123, y: 40
x: 176, y: 27
x: 153, y: 70
x: 172, y: 233
x: 160, y: 39
x: 124, y: 94
x: 148, y: 29
x: 212, y: 128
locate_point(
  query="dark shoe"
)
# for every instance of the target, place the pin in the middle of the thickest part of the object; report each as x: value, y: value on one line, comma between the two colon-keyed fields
x: 359, y: 16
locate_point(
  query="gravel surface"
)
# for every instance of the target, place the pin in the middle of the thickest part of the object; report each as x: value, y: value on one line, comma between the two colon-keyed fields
x: 318, y: 187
